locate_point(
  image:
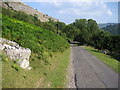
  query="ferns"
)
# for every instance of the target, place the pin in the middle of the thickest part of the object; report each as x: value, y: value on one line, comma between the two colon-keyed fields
x: 33, y: 37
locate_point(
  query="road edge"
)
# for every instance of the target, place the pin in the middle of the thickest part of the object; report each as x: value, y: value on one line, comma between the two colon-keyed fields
x: 71, y: 75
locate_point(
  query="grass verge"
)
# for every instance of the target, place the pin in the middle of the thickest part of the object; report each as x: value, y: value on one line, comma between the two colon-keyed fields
x: 42, y: 75
x: 108, y: 60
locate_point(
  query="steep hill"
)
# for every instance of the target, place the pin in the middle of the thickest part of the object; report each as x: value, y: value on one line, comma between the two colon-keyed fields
x: 46, y: 59
x: 31, y: 36
x: 19, y: 6
x: 49, y: 51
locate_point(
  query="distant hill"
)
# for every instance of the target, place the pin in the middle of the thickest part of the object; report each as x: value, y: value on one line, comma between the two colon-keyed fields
x: 103, y: 25
x: 113, y: 29
x: 19, y: 6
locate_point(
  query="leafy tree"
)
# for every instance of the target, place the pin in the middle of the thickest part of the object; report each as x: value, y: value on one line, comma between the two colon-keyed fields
x: 80, y: 24
x: 71, y: 31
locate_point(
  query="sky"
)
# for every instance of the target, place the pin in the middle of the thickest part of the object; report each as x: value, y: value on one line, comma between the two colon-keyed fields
x: 68, y: 12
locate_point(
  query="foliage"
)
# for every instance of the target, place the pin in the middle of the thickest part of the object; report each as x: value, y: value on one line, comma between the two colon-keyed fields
x: 55, y: 27
x: 49, y: 26
x: 33, y: 37
x: 91, y: 34
x: 71, y: 32
x: 82, y: 30
x: 87, y: 29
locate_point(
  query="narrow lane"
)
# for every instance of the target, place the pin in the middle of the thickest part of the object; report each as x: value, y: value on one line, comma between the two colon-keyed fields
x: 91, y: 72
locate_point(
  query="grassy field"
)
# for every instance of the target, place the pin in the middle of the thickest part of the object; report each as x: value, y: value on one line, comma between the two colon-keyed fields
x: 108, y: 60
x: 42, y: 75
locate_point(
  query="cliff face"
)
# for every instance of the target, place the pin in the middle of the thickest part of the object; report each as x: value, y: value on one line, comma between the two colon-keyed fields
x: 19, y: 6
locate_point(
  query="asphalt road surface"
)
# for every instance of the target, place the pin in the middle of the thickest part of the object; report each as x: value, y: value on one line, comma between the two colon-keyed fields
x: 91, y: 72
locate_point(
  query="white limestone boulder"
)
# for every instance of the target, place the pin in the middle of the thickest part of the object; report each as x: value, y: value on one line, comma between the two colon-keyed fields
x: 15, y: 52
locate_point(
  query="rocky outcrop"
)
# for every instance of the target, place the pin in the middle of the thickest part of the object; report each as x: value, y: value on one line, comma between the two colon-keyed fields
x: 19, y: 6
x: 15, y: 52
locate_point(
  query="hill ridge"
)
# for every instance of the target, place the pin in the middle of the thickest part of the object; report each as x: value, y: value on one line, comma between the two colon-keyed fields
x: 20, y: 6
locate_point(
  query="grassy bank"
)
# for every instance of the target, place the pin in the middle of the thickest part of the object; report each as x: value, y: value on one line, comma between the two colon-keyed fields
x: 49, y: 58
x: 40, y: 41
x: 42, y: 75
x: 108, y: 60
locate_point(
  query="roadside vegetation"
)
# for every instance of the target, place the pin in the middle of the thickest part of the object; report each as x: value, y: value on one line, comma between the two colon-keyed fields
x: 91, y: 34
x: 81, y: 30
x: 42, y: 75
x: 107, y: 59
x: 42, y: 42
x: 33, y: 19
x: 49, y: 58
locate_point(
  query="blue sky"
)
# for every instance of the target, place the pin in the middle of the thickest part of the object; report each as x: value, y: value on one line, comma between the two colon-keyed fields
x: 102, y: 12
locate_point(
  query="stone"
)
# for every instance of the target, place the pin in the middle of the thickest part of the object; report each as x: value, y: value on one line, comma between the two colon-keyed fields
x: 15, y: 52
x: 24, y: 63
x: 103, y: 51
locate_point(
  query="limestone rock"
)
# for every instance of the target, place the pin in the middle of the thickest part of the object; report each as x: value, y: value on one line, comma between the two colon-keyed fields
x: 15, y: 52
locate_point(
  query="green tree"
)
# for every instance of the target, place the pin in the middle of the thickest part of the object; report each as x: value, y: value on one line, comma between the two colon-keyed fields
x: 70, y: 31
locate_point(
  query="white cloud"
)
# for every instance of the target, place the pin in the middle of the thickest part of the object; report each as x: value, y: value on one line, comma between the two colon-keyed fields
x: 85, y: 9
x: 57, y: 4
x: 109, y: 12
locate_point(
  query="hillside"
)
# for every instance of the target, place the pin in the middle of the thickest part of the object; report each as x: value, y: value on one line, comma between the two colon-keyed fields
x: 19, y: 6
x: 113, y: 29
x: 103, y: 25
x: 46, y: 48
x: 31, y: 29
x: 22, y: 32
